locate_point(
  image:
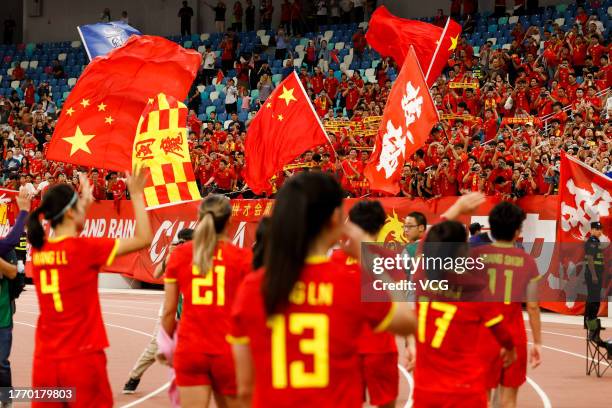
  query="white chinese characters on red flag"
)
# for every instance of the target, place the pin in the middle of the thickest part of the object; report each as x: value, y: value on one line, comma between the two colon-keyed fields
x: 584, y: 197
x: 407, y: 121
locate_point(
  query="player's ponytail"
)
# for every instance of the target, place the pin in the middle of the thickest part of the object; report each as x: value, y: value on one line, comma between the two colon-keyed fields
x: 214, y: 214
x: 302, y: 208
x: 56, y: 201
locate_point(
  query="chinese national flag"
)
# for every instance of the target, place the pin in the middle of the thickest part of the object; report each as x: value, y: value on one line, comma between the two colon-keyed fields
x: 285, y: 127
x: 584, y: 197
x: 161, y: 148
x: 98, y: 121
x: 8, y: 205
x: 405, y: 126
x: 392, y: 36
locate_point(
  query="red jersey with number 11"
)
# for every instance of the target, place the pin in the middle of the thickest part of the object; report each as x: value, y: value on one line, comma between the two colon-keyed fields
x: 65, y: 272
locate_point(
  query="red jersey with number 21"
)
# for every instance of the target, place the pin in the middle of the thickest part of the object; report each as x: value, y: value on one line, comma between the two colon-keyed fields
x: 65, y: 272
x: 207, y: 298
x: 306, y: 355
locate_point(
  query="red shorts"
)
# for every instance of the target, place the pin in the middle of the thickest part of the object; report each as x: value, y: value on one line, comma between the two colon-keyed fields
x: 380, y: 377
x: 85, y: 372
x: 216, y: 370
x: 429, y: 399
x: 512, y: 376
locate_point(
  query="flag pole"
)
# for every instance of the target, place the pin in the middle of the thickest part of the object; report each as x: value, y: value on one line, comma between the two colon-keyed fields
x: 437, y: 48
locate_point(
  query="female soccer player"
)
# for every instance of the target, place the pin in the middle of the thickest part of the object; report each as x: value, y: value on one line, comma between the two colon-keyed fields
x: 296, y: 322
x: 70, y: 334
x: 207, y: 272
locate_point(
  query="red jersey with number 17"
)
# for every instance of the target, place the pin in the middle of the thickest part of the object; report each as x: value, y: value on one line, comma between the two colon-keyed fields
x: 207, y: 298
x: 65, y: 272
x: 306, y: 355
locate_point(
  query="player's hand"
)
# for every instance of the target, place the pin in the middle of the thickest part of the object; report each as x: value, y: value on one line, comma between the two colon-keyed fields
x: 86, y: 191
x: 162, y: 360
x: 508, y: 356
x: 535, y: 355
x: 465, y: 205
x: 24, y: 202
x: 353, y: 237
x: 410, y: 358
x: 136, y: 181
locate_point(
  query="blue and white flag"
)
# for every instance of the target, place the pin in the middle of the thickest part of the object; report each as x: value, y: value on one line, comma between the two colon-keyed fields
x: 101, y: 38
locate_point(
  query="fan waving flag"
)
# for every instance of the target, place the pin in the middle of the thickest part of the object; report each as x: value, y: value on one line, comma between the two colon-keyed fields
x: 161, y: 147
x: 285, y: 127
x: 405, y: 126
x: 584, y: 197
x: 100, y: 116
x: 392, y: 36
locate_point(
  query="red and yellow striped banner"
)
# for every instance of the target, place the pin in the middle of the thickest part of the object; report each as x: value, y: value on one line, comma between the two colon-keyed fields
x: 161, y: 147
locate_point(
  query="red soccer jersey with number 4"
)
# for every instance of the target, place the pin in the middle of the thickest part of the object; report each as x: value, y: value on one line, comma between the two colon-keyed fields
x: 207, y: 298
x: 65, y: 272
x: 307, y: 355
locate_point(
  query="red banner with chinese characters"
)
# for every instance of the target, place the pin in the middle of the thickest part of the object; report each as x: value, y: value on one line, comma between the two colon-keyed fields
x: 539, y: 228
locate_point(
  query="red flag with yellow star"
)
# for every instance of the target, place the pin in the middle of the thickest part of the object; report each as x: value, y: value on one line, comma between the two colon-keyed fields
x: 161, y: 148
x: 98, y: 122
x: 285, y: 127
x: 392, y: 36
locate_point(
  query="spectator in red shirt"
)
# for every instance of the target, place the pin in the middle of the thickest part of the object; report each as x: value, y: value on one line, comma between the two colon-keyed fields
x: 97, y: 185
x: 359, y: 44
x: 224, y: 178
x: 116, y: 188
x: 352, y: 97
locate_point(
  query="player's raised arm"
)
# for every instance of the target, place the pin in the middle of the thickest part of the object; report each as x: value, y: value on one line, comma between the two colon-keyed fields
x: 142, y: 233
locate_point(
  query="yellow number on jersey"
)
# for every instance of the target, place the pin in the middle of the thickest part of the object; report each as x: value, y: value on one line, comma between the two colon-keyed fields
x: 448, y: 312
x: 206, y: 297
x: 50, y: 286
x: 508, y: 273
x: 317, y: 347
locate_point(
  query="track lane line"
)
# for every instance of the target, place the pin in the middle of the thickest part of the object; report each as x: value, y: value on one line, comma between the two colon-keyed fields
x: 545, y: 400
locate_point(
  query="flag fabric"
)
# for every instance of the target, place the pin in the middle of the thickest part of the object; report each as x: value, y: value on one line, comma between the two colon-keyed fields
x: 392, y: 36
x: 584, y: 197
x: 101, y: 38
x: 8, y: 205
x: 100, y: 116
x: 220, y: 76
x: 161, y: 148
x: 407, y: 120
x: 285, y: 127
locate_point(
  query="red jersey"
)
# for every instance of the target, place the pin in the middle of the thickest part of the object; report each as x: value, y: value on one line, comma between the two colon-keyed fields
x: 223, y: 178
x: 308, y: 353
x: 331, y: 86
x: 369, y: 342
x: 65, y: 272
x: 207, y: 298
x: 118, y: 189
x: 447, y: 360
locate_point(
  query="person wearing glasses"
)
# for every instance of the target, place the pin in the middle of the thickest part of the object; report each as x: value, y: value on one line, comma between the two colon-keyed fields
x: 415, y: 225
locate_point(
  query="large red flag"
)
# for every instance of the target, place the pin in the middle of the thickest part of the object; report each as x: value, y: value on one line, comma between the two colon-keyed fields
x: 392, y: 36
x: 98, y: 123
x: 285, y: 127
x: 405, y: 126
x: 584, y: 197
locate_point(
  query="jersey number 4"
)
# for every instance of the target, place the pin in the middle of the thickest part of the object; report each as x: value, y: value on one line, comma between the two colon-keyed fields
x: 316, y: 347
x: 448, y: 312
x: 49, y: 285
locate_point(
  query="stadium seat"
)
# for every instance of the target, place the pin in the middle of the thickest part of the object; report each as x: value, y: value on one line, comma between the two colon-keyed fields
x: 72, y: 81
x: 327, y: 36
x: 299, y: 48
x: 62, y: 56
x: 187, y: 44
x: 75, y: 44
x: 560, y: 21
x: 209, y: 110
x: 493, y: 40
x: 513, y: 20
x: 200, y: 88
x: 15, y: 84
x: 214, y: 96
x: 255, y: 93
x: 201, y: 49
x: 265, y: 40
x: 339, y: 45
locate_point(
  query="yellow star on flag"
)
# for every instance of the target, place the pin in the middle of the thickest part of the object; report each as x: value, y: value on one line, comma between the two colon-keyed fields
x: 101, y: 107
x: 85, y: 102
x: 268, y: 105
x: 79, y: 141
x: 287, y: 95
x: 454, y: 42
x: 109, y: 119
x: 69, y: 111
x: 280, y: 117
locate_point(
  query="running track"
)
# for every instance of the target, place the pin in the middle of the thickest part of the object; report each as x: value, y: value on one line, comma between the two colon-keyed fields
x: 130, y: 318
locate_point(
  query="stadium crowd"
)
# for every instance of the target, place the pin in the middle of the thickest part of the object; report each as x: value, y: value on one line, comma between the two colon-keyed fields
x: 507, y: 112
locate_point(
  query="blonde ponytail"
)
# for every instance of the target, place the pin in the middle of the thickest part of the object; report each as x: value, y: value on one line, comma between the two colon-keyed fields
x: 214, y: 214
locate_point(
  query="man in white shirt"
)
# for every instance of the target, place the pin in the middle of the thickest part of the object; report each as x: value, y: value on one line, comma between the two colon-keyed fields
x: 231, y: 97
x: 209, y: 65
